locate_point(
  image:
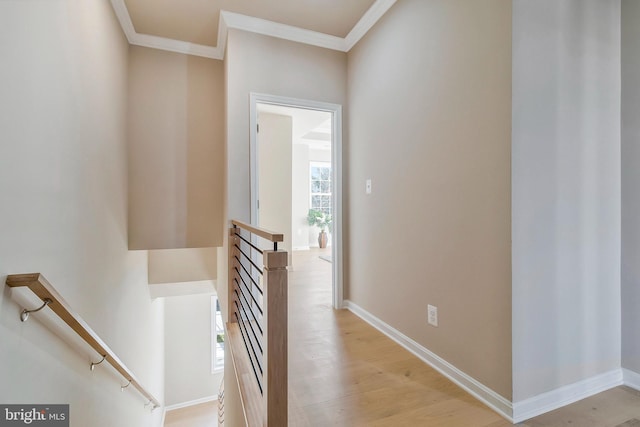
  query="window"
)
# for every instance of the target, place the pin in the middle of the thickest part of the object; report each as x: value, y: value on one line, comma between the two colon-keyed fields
x: 321, y: 187
x: 217, y: 336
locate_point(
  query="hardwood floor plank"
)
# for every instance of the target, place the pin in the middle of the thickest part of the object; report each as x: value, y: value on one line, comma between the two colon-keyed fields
x: 202, y: 415
x: 343, y: 372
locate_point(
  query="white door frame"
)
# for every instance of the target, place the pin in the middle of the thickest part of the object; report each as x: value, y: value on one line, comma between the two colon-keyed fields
x: 336, y: 170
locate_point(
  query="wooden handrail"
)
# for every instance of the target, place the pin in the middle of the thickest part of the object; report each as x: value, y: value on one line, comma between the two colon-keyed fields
x: 265, y: 234
x: 44, y: 290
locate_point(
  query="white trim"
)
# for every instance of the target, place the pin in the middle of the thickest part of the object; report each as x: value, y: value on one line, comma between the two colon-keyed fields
x: 214, y: 335
x: 565, y: 395
x: 514, y: 412
x: 368, y: 20
x: 336, y: 243
x: 122, y: 13
x: 191, y: 403
x: 197, y: 287
x: 254, y: 99
x: 336, y: 168
x: 282, y: 31
x: 481, y: 392
x: 317, y: 164
x: 255, y: 25
x: 631, y: 379
x: 163, y: 417
x: 223, y: 32
x: 161, y: 43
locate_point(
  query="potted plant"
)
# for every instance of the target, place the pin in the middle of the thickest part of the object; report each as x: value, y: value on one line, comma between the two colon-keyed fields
x: 323, y: 222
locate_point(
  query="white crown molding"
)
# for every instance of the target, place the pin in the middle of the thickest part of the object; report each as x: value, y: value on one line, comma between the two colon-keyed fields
x: 178, y: 46
x: 162, y: 43
x: 122, y: 13
x: 223, y: 31
x: 254, y: 25
x: 481, y: 392
x: 282, y: 31
x: 368, y: 20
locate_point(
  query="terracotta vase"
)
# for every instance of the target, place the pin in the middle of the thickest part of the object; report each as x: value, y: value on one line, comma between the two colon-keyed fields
x: 322, y: 239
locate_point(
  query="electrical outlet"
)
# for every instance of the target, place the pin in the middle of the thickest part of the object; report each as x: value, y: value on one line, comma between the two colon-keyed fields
x: 432, y: 315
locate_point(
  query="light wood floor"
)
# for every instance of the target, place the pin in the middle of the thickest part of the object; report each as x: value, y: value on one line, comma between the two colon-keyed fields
x: 202, y: 415
x: 343, y: 372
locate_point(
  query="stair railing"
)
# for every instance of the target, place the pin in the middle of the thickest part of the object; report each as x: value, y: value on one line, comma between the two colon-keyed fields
x: 257, y: 327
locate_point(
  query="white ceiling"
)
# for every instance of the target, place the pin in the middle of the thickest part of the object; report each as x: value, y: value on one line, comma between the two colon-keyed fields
x: 199, y: 27
x: 310, y: 127
x: 196, y: 21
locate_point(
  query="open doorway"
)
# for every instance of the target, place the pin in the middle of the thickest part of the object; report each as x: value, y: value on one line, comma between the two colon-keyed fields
x: 295, y: 174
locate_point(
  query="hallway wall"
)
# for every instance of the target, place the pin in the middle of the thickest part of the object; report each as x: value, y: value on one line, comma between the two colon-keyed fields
x: 630, y: 180
x: 262, y: 64
x: 188, y: 350
x: 430, y: 109
x: 63, y: 181
x: 256, y: 63
x: 566, y: 192
x: 275, y: 150
x: 176, y: 157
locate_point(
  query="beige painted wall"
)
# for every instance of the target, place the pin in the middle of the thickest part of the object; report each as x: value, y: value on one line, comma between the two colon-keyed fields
x: 182, y: 265
x: 430, y: 124
x: 63, y: 180
x: 176, y: 137
x: 275, y: 150
x: 188, y: 350
x: 256, y: 63
x: 262, y: 64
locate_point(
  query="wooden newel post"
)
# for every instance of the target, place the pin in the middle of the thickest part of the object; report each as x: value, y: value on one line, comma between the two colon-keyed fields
x: 275, y: 329
x: 233, y: 242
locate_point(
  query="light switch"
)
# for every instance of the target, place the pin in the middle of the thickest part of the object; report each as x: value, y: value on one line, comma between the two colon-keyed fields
x: 368, y: 187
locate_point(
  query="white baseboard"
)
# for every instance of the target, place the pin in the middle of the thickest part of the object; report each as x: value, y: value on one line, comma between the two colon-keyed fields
x: 565, y: 395
x: 191, y: 403
x: 481, y: 392
x: 631, y: 379
x: 514, y: 412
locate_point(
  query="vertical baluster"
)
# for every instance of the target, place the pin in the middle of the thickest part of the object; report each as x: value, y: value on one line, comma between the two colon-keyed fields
x: 233, y: 241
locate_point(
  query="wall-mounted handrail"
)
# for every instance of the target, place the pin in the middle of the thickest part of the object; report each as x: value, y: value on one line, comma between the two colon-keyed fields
x: 45, y: 291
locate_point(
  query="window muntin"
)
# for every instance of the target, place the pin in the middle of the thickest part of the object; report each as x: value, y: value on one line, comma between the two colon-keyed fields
x: 320, y: 181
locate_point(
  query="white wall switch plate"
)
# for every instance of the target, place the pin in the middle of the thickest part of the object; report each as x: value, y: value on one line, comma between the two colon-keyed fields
x: 368, y: 186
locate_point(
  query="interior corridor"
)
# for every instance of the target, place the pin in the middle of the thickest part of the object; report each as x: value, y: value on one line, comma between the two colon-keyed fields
x: 343, y: 372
